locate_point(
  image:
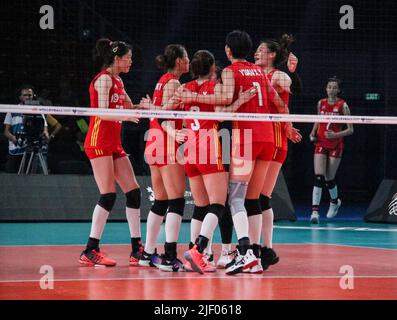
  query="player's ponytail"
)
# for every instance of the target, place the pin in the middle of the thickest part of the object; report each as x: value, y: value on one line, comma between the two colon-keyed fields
x: 106, y: 50
x: 201, y: 63
x: 280, y: 47
x: 167, y: 60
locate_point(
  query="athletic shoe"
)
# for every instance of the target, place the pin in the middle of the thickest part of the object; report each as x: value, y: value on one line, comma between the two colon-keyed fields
x: 135, y: 257
x: 255, y: 269
x: 333, y: 209
x: 209, y: 258
x: 149, y: 259
x: 96, y: 258
x: 173, y: 265
x: 226, y: 257
x: 315, y: 218
x: 195, y: 258
x: 242, y: 262
x: 268, y: 257
x: 207, y: 268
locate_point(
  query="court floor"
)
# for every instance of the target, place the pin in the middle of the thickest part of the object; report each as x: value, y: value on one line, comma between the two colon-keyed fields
x: 339, y: 259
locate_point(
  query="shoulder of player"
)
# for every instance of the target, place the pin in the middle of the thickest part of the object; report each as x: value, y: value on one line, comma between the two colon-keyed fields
x: 281, y: 75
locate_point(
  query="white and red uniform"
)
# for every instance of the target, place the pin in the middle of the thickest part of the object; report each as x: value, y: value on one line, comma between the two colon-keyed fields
x: 330, y: 147
x: 161, y: 149
x: 203, y: 151
x: 280, y: 135
x: 103, y: 137
x: 260, y: 134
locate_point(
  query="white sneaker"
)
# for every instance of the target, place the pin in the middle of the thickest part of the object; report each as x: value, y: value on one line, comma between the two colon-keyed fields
x: 242, y: 262
x: 333, y: 209
x: 226, y: 257
x: 209, y: 258
x: 255, y: 269
x: 314, y: 218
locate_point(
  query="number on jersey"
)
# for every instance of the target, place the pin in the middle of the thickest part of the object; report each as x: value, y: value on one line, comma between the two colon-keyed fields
x: 196, y: 124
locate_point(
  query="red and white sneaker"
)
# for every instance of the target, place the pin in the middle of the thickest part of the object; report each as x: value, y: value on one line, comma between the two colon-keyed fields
x: 135, y: 257
x: 96, y: 258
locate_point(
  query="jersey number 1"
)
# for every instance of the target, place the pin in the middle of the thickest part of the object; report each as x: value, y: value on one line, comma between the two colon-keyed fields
x: 258, y: 88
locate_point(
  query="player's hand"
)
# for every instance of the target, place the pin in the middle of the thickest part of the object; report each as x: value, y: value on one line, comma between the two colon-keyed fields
x: 330, y: 134
x: 313, y: 138
x: 133, y: 119
x: 292, y: 62
x: 247, y: 95
x: 184, y: 95
x: 293, y: 133
x: 181, y: 136
x: 146, y: 103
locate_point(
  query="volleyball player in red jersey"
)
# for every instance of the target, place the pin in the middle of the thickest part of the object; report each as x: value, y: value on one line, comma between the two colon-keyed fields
x: 168, y: 176
x: 252, y: 141
x: 103, y: 147
x: 203, y: 156
x: 270, y: 54
x: 329, y: 149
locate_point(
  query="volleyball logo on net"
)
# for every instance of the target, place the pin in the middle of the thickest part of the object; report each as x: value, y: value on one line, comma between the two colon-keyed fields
x: 393, y: 206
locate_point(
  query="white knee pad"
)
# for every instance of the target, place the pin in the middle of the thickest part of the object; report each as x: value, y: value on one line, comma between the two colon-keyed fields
x: 237, y: 193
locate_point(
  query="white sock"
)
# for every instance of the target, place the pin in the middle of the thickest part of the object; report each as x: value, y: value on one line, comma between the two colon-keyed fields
x: 333, y: 193
x: 195, y: 227
x: 153, y: 225
x: 316, y: 198
x: 226, y: 247
x: 209, y: 224
x: 267, y: 228
x: 255, y: 228
x: 172, y: 227
x: 99, y: 218
x: 240, y: 222
x: 134, y: 221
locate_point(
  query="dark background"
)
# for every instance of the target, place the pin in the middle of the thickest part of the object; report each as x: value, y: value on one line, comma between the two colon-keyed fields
x: 59, y: 60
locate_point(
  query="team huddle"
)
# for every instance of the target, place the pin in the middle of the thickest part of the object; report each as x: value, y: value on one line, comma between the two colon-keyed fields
x: 234, y: 193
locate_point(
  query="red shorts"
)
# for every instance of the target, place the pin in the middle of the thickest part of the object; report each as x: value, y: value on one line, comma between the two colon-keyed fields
x: 330, y: 152
x: 254, y: 151
x: 97, y: 153
x: 194, y: 170
x: 279, y: 155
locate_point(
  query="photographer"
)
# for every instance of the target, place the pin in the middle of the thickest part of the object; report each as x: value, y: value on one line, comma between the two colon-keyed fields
x: 14, y: 131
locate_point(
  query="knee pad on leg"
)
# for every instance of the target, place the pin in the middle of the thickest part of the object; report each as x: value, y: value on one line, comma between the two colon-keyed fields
x: 237, y: 192
x: 253, y: 207
x: 265, y: 202
x: 160, y: 207
x: 319, y: 180
x: 217, y: 209
x: 176, y: 206
x: 107, y: 201
x: 133, y: 199
x: 330, y: 184
x: 199, y: 213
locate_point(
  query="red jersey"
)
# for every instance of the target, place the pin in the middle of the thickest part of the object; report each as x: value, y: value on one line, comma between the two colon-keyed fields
x: 248, y: 75
x: 330, y: 109
x: 205, y: 88
x: 280, y: 136
x: 165, y: 147
x: 104, y: 134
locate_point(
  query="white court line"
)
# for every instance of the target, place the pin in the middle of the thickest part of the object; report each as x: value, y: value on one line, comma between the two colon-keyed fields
x: 336, y: 228
x: 205, y: 277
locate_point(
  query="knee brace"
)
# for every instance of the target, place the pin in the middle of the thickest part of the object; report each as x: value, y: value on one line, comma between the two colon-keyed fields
x: 253, y: 207
x: 176, y: 206
x: 133, y: 199
x: 237, y: 192
x: 160, y: 207
x: 199, y: 213
x: 319, y: 181
x: 330, y: 184
x: 265, y: 202
x: 217, y: 209
x: 107, y: 201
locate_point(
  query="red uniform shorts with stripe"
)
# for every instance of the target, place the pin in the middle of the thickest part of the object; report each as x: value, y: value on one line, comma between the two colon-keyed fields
x: 93, y: 153
x: 254, y: 151
x: 279, y: 155
x: 330, y: 152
